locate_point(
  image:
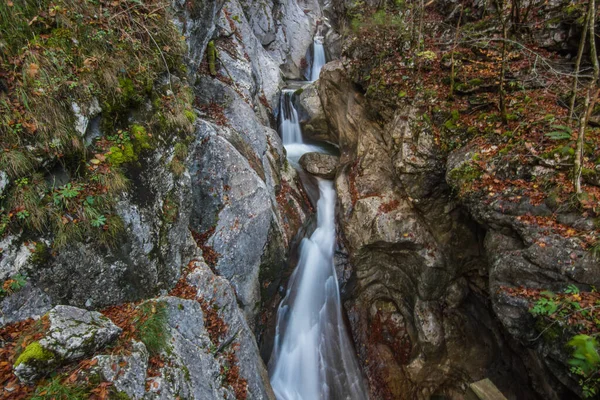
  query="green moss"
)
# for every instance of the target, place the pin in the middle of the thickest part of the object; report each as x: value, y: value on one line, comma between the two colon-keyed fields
x: 122, y: 155
x: 41, y: 254
x: 34, y: 352
x: 140, y: 137
x: 190, y: 115
x: 465, y: 174
x: 588, y: 172
x: 211, y: 54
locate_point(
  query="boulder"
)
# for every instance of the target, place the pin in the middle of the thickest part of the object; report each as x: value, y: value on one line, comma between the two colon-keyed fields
x: 73, y: 334
x: 319, y: 164
x: 311, y: 113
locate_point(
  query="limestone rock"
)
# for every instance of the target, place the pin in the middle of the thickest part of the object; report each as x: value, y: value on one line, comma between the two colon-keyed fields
x: 321, y: 165
x: 312, y: 116
x: 73, y: 334
x: 126, y: 372
x: 409, y: 248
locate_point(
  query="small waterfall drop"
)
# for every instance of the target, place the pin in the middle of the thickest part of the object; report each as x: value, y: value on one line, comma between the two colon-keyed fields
x: 313, y: 357
x: 289, y: 124
x: 318, y: 58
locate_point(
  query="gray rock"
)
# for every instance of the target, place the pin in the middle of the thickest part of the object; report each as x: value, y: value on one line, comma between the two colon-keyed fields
x: 194, y: 362
x: 312, y: 116
x: 150, y: 253
x: 3, y: 181
x: 126, y: 372
x: 196, y: 21
x: 85, y: 113
x: 28, y: 302
x: 73, y: 334
x: 319, y: 164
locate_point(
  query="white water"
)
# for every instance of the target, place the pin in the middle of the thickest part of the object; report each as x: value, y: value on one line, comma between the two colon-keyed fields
x: 289, y: 125
x: 318, y: 58
x: 313, y: 357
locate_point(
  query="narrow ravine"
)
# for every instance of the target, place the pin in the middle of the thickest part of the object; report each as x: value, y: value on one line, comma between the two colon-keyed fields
x: 313, y: 356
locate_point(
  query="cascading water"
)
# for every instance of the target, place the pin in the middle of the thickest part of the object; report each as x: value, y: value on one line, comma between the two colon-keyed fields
x: 313, y: 357
x: 289, y: 125
x: 318, y: 58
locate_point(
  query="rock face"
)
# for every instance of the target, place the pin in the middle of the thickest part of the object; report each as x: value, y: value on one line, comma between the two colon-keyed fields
x: 126, y: 372
x: 234, y: 203
x: 211, y: 352
x: 521, y: 254
x: 417, y: 309
x: 73, y: 333
x: 245, y: 207
x: 231, y: 186
x: 285, y: 28
x: 312, y: 117
x: 319, y: 164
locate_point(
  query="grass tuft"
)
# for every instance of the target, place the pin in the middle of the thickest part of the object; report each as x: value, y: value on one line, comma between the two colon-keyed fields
x: 151, y: 325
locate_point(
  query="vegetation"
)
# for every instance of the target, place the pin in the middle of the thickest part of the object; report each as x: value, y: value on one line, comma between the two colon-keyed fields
x: 575, y: 314
x: 34, y: 352
x: 12, y: 285
x: 65, y: 59
x: 56, y: 389
x: 488, y: 82
x: 151, y: 326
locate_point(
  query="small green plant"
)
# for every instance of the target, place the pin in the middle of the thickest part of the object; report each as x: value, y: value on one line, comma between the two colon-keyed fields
x: 211, y: 54
x: 12, y: 285
x: 151, y: 326
x: 572, y: 289
x: 560, y: 132
x: 545, y: 305
x: 586, y: 363
x: 99, y: 221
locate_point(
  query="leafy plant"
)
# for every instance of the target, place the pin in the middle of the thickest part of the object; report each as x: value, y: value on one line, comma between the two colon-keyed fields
x: 545, y: 306
x: 561, y: 132
x: 586, y: 363
x: 572, y: 289
x: 12, y: 285
x: 99, y: 221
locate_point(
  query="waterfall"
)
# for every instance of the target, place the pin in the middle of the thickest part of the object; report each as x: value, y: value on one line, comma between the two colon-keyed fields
x: 313, y: 357
x: 289, y: 125
x: 318, y: 58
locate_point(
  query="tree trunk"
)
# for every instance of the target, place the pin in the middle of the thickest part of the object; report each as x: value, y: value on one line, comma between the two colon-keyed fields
x: 579, y: 56
x: 589, y: 105
x: 451, y: 95
x: 503, y: 76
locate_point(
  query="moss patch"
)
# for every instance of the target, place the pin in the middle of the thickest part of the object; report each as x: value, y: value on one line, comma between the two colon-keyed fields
x: 34, y: 352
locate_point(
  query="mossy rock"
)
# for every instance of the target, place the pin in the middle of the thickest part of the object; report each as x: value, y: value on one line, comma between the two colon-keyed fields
x: 34, y: 353
x: 35, y: 362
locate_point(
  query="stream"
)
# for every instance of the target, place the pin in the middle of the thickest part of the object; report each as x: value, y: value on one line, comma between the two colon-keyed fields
x: 313, y: 356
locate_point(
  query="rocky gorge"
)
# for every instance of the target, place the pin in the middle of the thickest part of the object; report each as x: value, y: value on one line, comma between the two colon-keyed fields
x: 452, y: 225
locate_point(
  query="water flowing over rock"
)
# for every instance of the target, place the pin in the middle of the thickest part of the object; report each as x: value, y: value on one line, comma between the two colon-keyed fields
x: 313, y: 356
